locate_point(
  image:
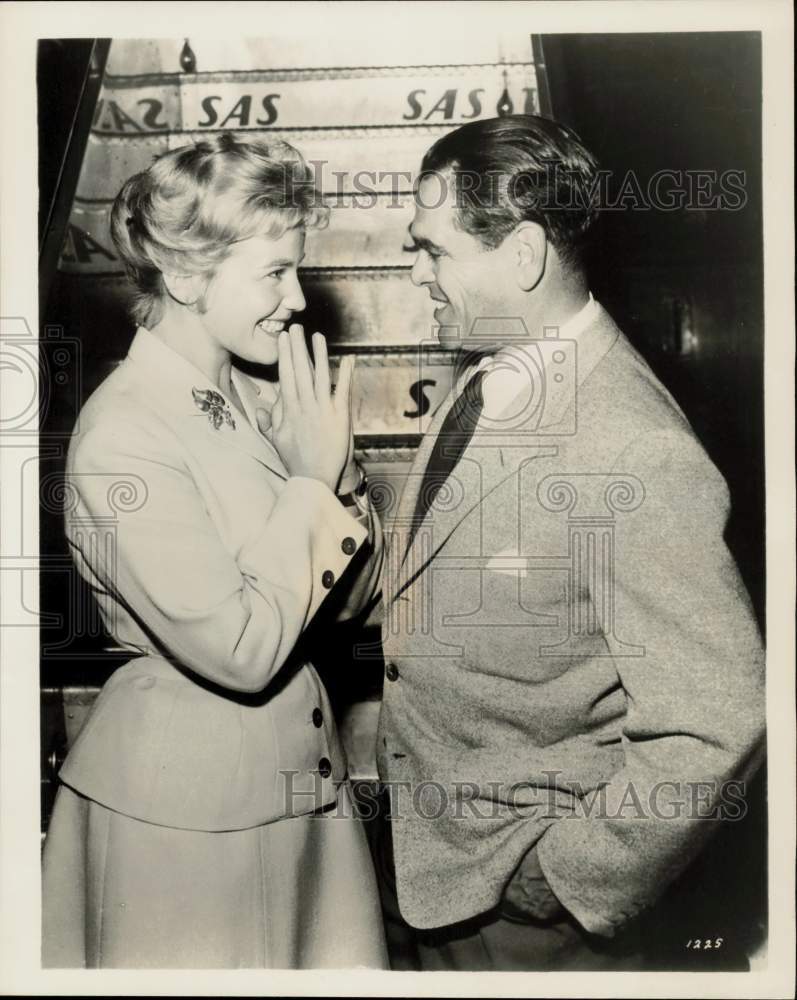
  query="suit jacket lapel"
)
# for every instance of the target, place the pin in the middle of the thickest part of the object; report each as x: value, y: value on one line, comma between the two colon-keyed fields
x: 251, y: 439
x: 479, y: 470
x: 482, y: 465
x: 402, y: 522
x: 592, y: 345
x: 168, y: 380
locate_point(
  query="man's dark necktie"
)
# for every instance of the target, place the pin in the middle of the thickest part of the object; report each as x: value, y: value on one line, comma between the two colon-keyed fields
x: 455, y: 433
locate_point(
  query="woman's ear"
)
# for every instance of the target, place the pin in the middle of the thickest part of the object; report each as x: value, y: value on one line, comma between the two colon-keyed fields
x: 184, y: 288
x: 531, y: 245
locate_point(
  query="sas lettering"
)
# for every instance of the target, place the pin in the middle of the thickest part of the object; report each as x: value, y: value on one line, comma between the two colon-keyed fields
x: 240, y: 114
x: 153, y: 109
x: 446, y: 106
x: 419, y: 397
x: 109, y: 116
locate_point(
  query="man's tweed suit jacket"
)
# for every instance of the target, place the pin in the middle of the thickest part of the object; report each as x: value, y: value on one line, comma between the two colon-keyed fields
x: 571, y: 656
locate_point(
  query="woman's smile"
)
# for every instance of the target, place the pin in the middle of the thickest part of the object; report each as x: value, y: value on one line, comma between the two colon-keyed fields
x: 273, y: 327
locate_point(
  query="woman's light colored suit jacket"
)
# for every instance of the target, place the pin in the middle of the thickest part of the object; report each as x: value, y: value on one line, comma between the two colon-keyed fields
x: 208, y: 562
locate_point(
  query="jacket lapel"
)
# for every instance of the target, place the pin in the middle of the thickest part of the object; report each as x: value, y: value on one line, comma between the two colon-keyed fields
x: 489, y: 458
x: 169, y: 381
x: 402, y: 522
x: 592, y: 345
x: 479, y: 470
x: 254, y: 395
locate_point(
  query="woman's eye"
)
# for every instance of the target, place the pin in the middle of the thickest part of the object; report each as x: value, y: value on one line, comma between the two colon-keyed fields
x: 276, y: 274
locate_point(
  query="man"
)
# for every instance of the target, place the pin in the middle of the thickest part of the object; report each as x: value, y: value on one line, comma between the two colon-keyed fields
x: 574, y: 680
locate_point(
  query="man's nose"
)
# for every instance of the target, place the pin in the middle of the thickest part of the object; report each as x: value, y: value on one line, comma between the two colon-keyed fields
x: 295, y: 300
x: 422, y: 273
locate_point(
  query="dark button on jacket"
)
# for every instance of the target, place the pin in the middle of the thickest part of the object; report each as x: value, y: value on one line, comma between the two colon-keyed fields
x: 349, y: 546
x: 327, y: 578
x: 318, y: 718
x: 391, y: 672
x: 324, y: 768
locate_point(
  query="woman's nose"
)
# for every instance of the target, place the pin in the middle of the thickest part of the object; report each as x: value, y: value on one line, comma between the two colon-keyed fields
x: 295, y: 300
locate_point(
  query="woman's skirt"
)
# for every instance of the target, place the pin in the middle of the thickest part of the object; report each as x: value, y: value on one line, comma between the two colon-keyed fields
x: 298, y: 893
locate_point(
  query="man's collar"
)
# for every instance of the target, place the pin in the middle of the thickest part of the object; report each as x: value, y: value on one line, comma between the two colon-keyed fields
x: 504, y: 370
x: 580, y: 320
x: 540, y: 369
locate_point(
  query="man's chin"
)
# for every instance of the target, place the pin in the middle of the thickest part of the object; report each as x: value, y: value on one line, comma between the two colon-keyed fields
x: 448, y: 332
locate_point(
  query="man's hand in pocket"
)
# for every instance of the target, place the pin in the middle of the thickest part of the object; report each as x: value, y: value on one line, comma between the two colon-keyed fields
x: 528, y: 895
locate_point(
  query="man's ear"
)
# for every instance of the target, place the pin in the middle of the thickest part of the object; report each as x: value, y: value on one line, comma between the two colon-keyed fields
x: 531, y: 246
x: 184, y: 288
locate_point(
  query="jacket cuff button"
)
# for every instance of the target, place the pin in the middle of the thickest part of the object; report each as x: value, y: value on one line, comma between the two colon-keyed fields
x: 318, y: 718
x: 327, y: 578
x: 324, y: 768
x: 349, y: 546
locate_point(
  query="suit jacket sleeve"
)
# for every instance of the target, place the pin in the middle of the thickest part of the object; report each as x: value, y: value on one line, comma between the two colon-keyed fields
x: 232, y: 618
x: 695, y: 699
x: 364, y: 574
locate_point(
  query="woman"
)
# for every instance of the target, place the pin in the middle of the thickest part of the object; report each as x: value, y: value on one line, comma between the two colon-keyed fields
x: 204, y: 818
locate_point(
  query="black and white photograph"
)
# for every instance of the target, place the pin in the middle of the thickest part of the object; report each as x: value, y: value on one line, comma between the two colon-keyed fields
x: 398, y: 499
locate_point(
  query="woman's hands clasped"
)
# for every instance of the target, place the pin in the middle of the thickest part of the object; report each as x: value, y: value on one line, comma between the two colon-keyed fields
x: 310, y: 426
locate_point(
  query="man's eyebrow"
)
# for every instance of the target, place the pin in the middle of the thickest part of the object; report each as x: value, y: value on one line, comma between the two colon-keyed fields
x: 421, y: 243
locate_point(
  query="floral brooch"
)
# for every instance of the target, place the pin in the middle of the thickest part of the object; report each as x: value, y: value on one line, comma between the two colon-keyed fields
x: 213, y: 403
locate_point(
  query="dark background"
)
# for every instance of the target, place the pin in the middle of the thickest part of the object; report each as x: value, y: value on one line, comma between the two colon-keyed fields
x: 642, y: 103
x: 689, y: 102
x: 683, y: 102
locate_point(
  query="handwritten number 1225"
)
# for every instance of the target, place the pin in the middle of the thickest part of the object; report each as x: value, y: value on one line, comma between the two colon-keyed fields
x: 704, y: 944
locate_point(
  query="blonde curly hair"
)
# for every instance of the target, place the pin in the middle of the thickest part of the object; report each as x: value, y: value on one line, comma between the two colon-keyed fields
x: 184, y: 213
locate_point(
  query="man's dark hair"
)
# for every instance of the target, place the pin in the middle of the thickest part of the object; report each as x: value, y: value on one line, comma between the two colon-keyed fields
x: 519, y: 168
